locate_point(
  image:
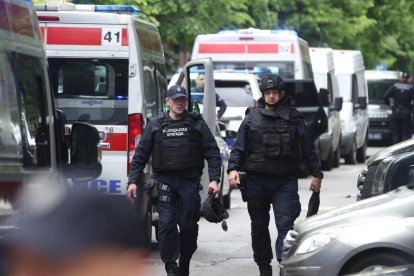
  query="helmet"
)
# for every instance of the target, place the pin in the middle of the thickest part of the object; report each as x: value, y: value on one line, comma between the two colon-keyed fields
x: 271, y: 82
x: 213, y: 211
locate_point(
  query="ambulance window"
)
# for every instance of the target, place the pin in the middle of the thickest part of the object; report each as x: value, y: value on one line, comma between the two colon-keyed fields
x: 34, y: 111
x: 10, y: 135
x: 92, y: 90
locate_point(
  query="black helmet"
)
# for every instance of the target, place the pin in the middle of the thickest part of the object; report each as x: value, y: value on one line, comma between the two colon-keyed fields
x: 213, y: 211
x: 271, y: 82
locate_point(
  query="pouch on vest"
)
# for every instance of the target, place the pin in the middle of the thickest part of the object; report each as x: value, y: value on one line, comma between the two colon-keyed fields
x: 272, y: 145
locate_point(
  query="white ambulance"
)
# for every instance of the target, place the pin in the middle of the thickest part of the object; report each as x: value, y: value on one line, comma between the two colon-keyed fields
x: 280, y: 52
x: 326, y: 83
x: 37, y: 155
x: 108, y: 68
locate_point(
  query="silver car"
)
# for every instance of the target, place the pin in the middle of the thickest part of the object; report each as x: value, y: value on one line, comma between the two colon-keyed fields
x: 364, y: 236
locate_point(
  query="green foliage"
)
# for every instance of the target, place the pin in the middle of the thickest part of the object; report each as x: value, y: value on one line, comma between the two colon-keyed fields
x: 379, y: 28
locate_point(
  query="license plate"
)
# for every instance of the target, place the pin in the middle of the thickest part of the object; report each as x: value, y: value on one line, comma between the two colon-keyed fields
x: 375, y: 136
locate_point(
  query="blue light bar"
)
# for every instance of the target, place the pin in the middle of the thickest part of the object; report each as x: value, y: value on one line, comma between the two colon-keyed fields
x: 117, y: 9
x: 121, y: 97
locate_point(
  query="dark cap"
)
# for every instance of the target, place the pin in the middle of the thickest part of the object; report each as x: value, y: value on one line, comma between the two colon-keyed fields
x: 176, y: 91
x: 77, y: 223
x: 271, y: 82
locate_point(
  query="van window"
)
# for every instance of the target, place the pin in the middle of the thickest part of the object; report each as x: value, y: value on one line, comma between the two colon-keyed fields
x: 91, y: 90
x: 330, y: 87
x: 34, y: 111
x: 235, y: 93
x: 304, y: 93
x: 377, y: 89
x: 11, y: 147
x: 355, y: 88
x: 285, y: 69
x: 155, y: 88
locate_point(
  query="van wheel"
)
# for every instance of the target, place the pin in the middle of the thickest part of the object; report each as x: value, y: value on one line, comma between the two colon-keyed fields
x: 362, y: 153
x: 328, y: 163
x: 337, y: 156
x: 350, y: 158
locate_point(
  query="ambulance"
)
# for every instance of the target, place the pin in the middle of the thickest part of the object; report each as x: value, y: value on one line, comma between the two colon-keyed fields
x: 37, y: 154
x: 280, y: 52
x: 108, y: 69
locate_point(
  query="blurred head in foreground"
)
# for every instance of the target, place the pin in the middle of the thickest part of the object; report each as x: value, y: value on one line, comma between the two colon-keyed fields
x: 80, y: 234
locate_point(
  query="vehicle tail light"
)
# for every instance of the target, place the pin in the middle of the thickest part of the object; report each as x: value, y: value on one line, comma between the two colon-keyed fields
x: 135, y: 129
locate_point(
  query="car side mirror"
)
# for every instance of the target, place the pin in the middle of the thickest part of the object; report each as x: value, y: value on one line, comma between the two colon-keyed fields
x: 324, y: 97
x: 84, y: 152
x: 338, y: 103
x: 362, y: 101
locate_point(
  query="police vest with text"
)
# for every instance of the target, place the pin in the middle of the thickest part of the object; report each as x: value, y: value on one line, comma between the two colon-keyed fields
x: 273, y: 145
x: 177, y: 146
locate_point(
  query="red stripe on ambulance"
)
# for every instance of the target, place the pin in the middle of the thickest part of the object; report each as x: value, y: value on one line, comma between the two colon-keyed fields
x: 262, y: 48
x: 74, y: 36
x: 124, y: 37
x: 116, y: 141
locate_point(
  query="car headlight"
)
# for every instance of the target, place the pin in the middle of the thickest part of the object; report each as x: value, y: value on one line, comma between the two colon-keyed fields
x: 317, y: 241
x: 378, y: 182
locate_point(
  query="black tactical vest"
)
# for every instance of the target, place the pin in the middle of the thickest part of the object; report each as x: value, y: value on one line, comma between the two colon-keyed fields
x: 177, y: 145
x: 273, y: 144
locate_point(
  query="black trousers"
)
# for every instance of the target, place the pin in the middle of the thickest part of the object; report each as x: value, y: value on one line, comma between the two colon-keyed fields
x: 263, y: 191
x: 402, y: 124
x: 180, y: 205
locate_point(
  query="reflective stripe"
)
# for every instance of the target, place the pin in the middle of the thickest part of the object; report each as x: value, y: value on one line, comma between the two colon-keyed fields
x: 239, y: 48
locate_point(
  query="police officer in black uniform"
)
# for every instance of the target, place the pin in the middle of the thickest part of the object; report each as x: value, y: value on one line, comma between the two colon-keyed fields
x: 179, y: 141
x: 402, y: 95
x: 270, y: 143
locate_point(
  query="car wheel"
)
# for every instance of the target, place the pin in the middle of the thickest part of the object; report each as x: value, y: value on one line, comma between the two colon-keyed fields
x: 350, y: 158
x: 337, y: 156
x: 362, y: 153
x: 374, y: 262
x: 328, y: 163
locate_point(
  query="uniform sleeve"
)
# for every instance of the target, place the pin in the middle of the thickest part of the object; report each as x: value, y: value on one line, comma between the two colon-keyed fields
x: 211, y: 151
x: 388, y: 94
x: 221, y: 104
x: 238, y: 150
x: 142, y: 153
x: 308, y: 149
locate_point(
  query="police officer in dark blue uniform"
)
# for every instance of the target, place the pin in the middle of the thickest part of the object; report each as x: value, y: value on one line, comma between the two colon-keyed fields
x: 270, y: 143
x: 402, y: 95
x: 179, y: 141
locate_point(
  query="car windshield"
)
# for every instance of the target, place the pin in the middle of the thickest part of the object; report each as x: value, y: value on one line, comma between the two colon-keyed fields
x: 377, y: 88
x: 235, y: 93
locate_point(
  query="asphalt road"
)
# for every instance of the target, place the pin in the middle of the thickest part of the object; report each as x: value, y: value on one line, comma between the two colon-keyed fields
x: 229, y: 253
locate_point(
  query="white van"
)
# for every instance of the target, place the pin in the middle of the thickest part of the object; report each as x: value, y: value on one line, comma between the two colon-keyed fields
x: 350, y: 73
x: 34, y: 144
x: 378, y: 112
x: 280, y: 52
x: 326, y: 83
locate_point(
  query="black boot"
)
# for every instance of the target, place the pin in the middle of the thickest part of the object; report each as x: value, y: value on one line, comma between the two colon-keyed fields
x: 184, y: 267
x: 172, y: 269
x: 265, y: 269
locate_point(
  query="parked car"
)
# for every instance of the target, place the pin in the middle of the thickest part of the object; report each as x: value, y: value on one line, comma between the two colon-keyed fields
x: 363, y: 236
x: 379, y: 113
x: 386, y: 170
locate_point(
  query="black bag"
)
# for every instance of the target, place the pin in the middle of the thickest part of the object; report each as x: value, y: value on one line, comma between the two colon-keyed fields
x: 313, y: 205
x: 213, y: 210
